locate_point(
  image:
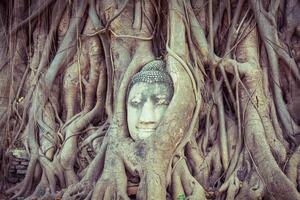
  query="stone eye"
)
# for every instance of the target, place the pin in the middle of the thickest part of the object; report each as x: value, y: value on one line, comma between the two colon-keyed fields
x: 135, y: 102
x: 161, y: 101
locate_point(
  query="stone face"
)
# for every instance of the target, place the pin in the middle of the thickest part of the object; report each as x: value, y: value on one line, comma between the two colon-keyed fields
x: 149, y: 94
x: 147, y: 103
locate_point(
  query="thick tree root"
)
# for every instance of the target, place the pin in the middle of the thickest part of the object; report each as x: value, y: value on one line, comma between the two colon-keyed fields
x: 78, y: 191
x: 75, y: 79
x: 185, y: 184
x: 113, y: 182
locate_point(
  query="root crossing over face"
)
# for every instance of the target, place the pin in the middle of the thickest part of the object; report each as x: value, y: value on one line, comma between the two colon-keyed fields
x: 146, y: 104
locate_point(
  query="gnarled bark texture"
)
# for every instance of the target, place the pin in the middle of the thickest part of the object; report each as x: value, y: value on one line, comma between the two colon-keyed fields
x: 231, y: 130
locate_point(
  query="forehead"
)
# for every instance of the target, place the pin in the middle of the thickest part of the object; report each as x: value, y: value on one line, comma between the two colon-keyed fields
x: 147, y: 89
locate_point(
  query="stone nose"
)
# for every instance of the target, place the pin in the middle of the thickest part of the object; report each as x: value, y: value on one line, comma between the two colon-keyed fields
x: 147, y: 117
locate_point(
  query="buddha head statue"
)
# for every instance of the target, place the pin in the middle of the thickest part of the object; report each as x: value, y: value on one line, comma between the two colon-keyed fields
x: 149, y: 94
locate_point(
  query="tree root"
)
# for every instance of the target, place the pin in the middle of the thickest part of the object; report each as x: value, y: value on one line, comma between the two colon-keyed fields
x: 84, y: 187
x: 113, y: 182
x: 234, y: 182
x: 278, y: 185
x: 292, y: 168
x: 232, y: 185
x: 224, y: 161
x: 184, y: 183
x: 78, y: 191
x: 254, y: 188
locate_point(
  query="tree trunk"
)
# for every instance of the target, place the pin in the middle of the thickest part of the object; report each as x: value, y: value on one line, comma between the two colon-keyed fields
x: 230, y: 129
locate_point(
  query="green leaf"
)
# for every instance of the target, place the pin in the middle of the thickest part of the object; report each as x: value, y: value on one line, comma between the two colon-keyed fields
x: 181, y: 197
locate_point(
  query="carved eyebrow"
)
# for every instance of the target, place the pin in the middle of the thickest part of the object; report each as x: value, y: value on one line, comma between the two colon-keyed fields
x: 161, y: 96
x: 136, y: 97
x: 161, y: 99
